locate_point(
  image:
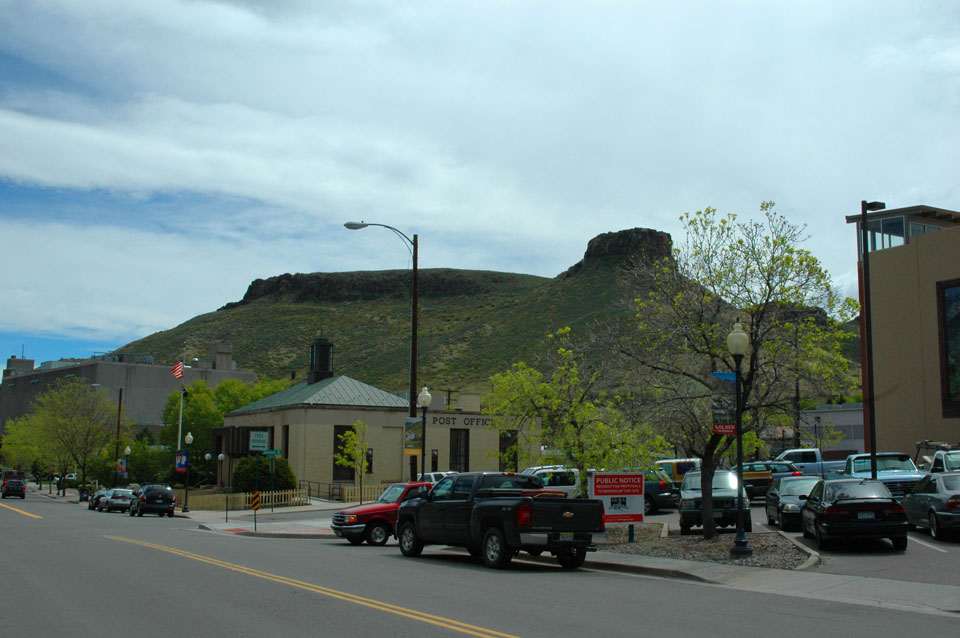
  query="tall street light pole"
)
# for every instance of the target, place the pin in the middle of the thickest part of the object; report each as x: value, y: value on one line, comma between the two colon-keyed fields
x: 866, y: 322
x: 414, y: 310
x: 424, y: 399
x: 738, y: 344
x: 186, y: 486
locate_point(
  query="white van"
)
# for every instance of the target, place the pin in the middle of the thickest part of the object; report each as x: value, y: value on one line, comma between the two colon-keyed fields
x: 558, y: 477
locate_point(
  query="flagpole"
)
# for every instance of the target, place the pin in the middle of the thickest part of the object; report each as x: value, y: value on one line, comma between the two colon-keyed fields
x: 180, y: 423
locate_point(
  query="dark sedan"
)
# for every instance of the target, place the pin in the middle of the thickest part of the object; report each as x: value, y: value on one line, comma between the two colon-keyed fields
x: 93, y: 503
x: 785, y: 498
x: 14, y: 487
x: 853, y: 508
x: 153, y: 499
x: 935, y: 504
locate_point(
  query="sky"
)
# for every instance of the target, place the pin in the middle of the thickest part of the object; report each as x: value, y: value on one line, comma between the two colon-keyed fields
x: 156, y: 157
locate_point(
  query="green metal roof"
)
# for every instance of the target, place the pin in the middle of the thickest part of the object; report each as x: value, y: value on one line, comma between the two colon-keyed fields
x: 333, y: 391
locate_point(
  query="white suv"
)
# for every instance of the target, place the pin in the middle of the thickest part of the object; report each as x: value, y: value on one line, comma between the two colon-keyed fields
x: 558, y: 477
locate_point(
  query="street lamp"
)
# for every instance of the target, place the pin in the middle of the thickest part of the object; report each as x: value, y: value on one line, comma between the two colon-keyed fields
x: 865, y: 319
x: 186, y: 486
x: 424, y: 400
x: 738, y: 343
x: 126, y: 462
x: 226, y: 508
x: 413, y: 314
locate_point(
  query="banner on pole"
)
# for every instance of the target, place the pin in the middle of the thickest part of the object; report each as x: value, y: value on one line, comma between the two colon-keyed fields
x: 412, y: 436
x: 724, y: 403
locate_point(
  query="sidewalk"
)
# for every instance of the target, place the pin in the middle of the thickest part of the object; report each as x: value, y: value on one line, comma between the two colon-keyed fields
x: 875, y: 592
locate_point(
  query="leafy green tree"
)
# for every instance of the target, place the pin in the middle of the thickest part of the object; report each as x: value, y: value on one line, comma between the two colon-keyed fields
x: 581, y: 425
x: 685, y: 306
x: 21, y: 445
x: 76, y: 422
x: 352, y: 452
x: 253, y: 472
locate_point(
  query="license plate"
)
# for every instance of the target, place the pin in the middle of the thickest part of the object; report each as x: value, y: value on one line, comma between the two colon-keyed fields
x: 565, y: 536
x: 866, y: 516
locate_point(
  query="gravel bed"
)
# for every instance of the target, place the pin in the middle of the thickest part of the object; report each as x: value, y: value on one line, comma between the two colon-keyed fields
x: 770, y: 549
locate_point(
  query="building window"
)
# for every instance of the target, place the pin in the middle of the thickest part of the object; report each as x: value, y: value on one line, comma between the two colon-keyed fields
x: 460, y: 450
x: 286, y: 441
x: 948, y: 323
x: 509, y: 454
x: 340, y: 473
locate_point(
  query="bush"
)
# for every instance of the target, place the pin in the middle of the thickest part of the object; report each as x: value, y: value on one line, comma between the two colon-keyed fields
x: 245, y: 475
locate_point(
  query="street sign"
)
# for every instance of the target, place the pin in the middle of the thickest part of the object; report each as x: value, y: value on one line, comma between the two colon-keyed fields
x: 259, y: 440
x: 271, y: 452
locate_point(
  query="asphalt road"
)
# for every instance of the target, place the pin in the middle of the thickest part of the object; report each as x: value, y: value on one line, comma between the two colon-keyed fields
x: 70, y: 571
x: 925, y: 561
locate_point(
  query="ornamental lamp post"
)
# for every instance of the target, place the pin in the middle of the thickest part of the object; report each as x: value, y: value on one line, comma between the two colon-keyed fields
x: 186, y: 486
x: 738, y: 343
x: 126, y: 462
x: 226, y: 509
x: 424, y: 400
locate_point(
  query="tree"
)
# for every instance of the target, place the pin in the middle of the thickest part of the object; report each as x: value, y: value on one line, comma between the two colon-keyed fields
x: 21, y: 445
x: 581, y: 425
x: 352, y: 452
x: 253, y: 472
x: 685, y: 305
x: 75, y: 423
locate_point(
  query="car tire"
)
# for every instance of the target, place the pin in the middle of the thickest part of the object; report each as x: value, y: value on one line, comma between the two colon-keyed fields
x: 496, y: 554
x: 410, y: 543
x: 803, y: 529
x: 648, y: 506
x: 935, y: 531
x: 771, y: 520
x: 377, y: 533
x: 822, y: 541
x: 140, y: 513
x: 899, y: 543
x: 130, y: 512
x: 571, y: 558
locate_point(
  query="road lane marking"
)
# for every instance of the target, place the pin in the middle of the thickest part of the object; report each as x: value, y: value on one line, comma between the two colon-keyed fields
x: 19, y: 511
x: 413, y: 614
x: 917, y: 540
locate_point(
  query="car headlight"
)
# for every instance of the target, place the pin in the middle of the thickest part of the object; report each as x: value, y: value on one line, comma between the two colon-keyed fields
x: 790, y: 507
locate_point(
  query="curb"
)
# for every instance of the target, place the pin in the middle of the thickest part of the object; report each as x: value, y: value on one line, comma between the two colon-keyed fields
x: 245, y: 532
x: 813, y: 558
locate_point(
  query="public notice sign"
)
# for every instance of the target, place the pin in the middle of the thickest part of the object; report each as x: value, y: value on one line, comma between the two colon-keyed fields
x: 621, y: 493
x: 412, y: 436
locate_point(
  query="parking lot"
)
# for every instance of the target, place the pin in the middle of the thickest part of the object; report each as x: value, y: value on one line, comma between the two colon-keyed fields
x: 925, y: 560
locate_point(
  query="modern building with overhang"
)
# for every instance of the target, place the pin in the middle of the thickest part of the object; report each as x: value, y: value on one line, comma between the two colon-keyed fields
x: 305, y: 422
x: 914, y: 277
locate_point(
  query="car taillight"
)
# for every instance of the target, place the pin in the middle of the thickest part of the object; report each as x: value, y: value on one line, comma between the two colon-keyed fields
x: 142, y: 497
x: 663, y: 484
x: 833, y: 510
x: 797, y: 474
x: 896, y: 508
x: 953, y: 503
x: 525, y: 515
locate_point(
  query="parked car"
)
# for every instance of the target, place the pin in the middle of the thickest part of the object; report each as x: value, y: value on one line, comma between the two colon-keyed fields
x: 756, y: 478
x: 375, y: 522
x: 677, y: 468
x: 156, y: 499
x: 116, y: 499
x: 93, y: 503
x: 935, y: 504
x: 945, y: 461
x: 785, y: 498
x: 14, y: 487
x: 810, y: 461
x: 494, y: 515
x: 658, y: 491
x: 433, y: 477
x: 853, y: 508
x: 558, y: 477
x: 895, y: 469
x: 724, y: 501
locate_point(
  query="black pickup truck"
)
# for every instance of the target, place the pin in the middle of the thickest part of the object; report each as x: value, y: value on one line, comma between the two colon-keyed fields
x: 495, y: 515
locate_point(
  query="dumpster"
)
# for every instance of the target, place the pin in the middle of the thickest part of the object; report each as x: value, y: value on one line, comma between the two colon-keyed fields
x: 84, y: 494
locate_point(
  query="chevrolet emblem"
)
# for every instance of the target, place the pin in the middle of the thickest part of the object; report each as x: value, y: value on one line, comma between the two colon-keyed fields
x: 567, y: 514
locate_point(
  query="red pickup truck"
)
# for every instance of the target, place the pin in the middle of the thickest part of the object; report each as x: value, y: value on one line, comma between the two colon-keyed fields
x: 375, y: 522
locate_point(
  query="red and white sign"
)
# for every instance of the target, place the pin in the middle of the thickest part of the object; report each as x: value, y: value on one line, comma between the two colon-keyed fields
x: 621, y: 493
x: 730, y: 429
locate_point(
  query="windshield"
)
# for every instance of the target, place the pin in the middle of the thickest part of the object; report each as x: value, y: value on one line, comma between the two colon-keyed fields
x: 951, y: 461
x: 392, y: 494
x: 721, y: 480
x: 951, y: 483
x: 885, y: 463
x: 846, y: 490
x: 798, y: 487
x: 516, y: 481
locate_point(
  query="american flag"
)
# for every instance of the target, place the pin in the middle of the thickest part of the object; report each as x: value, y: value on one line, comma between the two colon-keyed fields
x: 178, y: 370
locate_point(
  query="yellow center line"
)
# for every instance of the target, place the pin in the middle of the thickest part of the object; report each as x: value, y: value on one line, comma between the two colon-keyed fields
x: 19, y: 511
x: 413, y: 614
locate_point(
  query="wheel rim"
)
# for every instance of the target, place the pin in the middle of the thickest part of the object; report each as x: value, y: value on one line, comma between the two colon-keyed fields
x: 493, y: 548
x: 934, y: 531
x: 378, y: 534
x: 407, y: 538
x: 647, y: 507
